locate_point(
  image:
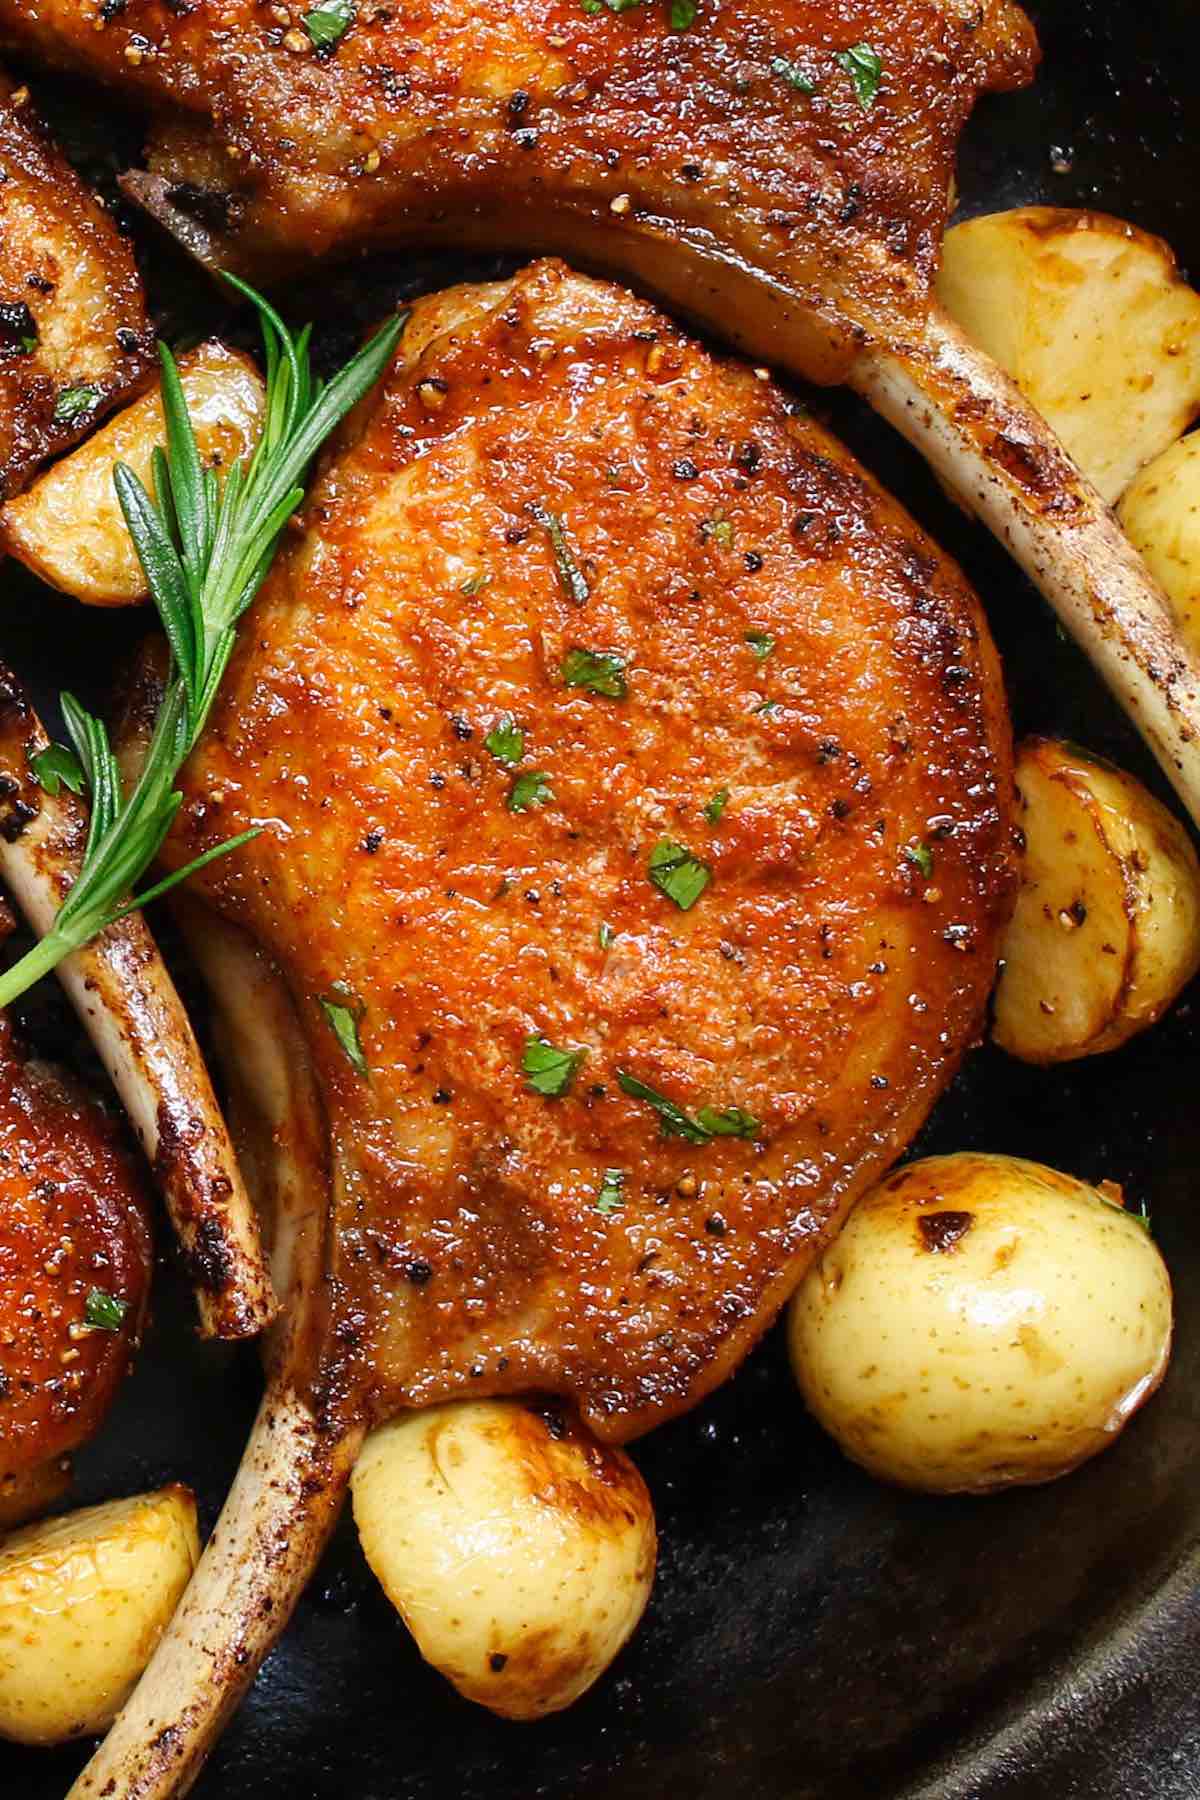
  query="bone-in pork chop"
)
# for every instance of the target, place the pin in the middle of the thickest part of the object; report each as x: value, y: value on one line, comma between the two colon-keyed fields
x: 780, y: 167
x: 633, y: 778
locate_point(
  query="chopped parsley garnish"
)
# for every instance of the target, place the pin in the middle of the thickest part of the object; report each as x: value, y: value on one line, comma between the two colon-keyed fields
x: 683, y: 14
x: 761, y: 643
x: 104, y: 1311
x: 505, y: 741
x: 326, y: 24
x: 345, y: 1014
x: 611, y: 1198
x: 716, y: 806
x: 73, y: 402
x: 57, y: 767
x: 605, y: 935
x: 728, y: 1121
x: 921, y: 856
x: 530, y: 790
x: 600, y: 671
x: 678, y: 874
x: 719, y: 530
x: 865, y: 69
x: 617, y: 6
x: 29, y: 345
x: 793, y: 74
x: 767, y: 707
x: 548, y: 1070
x: 571, y: 578
x: 1140, y: 1216
x: 708, y: 1123
x: 475, y: 584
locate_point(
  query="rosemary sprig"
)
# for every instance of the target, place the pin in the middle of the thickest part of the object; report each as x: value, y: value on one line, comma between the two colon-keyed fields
x: 206, y: 550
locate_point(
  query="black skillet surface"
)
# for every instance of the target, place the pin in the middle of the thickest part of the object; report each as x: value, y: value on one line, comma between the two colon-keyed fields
x: 811, y: 1633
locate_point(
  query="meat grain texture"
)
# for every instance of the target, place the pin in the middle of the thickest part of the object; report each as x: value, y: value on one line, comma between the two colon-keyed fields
x: 551, y: 467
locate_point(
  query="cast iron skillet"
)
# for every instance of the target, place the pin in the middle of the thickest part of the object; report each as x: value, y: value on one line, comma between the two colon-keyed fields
x: 811, y: 1633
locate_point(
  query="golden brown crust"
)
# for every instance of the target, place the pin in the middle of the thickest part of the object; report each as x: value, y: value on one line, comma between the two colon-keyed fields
x: 73, y: 330
x: 73, y: 1219
x: 689, y: 158
x: 824, y: 982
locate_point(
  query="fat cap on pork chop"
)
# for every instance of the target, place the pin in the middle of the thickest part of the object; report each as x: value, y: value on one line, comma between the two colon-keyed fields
x: 569, y: 590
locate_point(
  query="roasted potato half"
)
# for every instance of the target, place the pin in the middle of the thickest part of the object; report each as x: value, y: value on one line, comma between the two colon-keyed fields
x: 981, y: 1322
x: 83, y: 1601
x: 518, y: 1550
x: 1093, y: 321
x: 68, y: 527
x: 1106, y: 928
x: 1160, y: 510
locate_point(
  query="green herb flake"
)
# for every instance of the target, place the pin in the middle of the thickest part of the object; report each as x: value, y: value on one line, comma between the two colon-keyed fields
x: 1139, y: 1215
x: 104, y: 1311
x: 571, y: 578
x: 548, y: 1070
x: 600, y: 671
x: 793, y: 74
x: 921, y: 857
x: 611, y: 1197
x: 529, y: 791
x: 326, y: 24
x: 767, y: 707
x: 729, y: 1121
x: 505, y: 741
x: 761, y: 644
x: 475, y: 584
x: 716, y: 806
x: 56, y: 767
x: 605, y: 936
x: 678, y: 874
x: 29, y: 345
x: 865, y: 69
x: 73, y: 402
x: 345, y: 1014
x: 683, y: 14
x: 717, y: 530
x: 672, y: 1118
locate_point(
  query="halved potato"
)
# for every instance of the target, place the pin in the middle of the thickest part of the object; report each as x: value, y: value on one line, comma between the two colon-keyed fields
x: 68, y: 528
x: 83, y: 1601
x: 518, y: 1549
x: 1093, y: 321
x: 1106, y: 929
x: 1160, y: 511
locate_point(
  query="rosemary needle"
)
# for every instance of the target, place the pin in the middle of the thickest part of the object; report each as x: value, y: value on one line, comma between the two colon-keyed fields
x: 205, y: 549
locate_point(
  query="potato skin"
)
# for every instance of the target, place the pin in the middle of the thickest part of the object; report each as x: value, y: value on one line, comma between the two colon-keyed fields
x: 1106, y: 930
x: 84, y: 1599
x: 981, y: 1322
x: 518, y: 1549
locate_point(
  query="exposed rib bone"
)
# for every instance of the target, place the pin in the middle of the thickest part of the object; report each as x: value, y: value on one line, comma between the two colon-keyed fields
x: 289, y: 1488
x: 983, y: 438
x: 128, y: 1004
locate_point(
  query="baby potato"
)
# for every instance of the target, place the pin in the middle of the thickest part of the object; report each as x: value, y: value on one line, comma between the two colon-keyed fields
x: 518, y: 1550
x: 68, y: 526
x: 981, y: 1322
x: 1093, y: 321
x: 83, y: 1601
x: 1160, y: 512
x: 1106, y: 928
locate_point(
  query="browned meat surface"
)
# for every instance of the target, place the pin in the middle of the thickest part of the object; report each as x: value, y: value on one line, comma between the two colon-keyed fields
x: 73, y: 331
x: 461, y: 836
x: 74, y: 1265
x: 695, y: 160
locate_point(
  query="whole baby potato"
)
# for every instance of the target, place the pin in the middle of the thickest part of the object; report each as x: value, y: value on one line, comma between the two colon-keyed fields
x: 83, y: 1601
x: 981, y: 1322
x: 519, y: 1550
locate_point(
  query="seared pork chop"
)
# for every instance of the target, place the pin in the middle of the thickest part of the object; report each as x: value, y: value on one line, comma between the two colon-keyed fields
x: 781, y: 169
x: 73, y: 331
x: 633, y: 782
